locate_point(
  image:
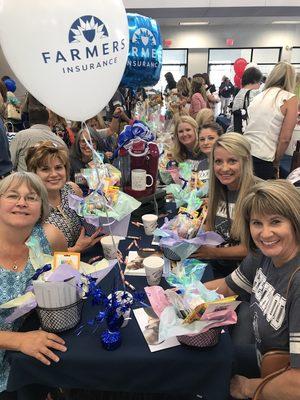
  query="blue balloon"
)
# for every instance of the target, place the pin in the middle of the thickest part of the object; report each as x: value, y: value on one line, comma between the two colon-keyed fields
x: 10, y: 85
x: 145, y: 52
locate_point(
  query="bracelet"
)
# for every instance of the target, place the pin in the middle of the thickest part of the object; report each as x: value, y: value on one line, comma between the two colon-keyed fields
x: 116, y: 116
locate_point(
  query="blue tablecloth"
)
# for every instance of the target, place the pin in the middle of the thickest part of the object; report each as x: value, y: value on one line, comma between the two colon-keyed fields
x: 132, y: 367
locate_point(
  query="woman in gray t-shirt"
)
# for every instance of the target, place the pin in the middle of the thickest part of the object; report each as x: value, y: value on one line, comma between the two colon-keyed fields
x: 270, y: 274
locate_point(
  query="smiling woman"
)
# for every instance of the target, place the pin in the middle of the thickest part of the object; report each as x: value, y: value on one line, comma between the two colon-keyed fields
x: 270, y: 228
x: 186, y: 141
x: 51, y: 164
x: 23, y: 207
x: 231, y: 177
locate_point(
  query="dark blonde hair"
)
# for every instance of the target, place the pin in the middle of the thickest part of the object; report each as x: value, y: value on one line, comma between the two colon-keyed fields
x: 276, y: 197
x: 283, y: 76
x: 179, y: 150
x: 33, y: 182
x: 198, y: 86
x: 39, y: 154
x: 237, y: 145
x: 204, y: 116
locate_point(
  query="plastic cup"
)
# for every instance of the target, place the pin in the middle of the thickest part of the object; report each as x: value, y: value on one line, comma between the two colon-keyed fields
x: 110, y: 250
x: 154, y: 269
x: 150, y: 223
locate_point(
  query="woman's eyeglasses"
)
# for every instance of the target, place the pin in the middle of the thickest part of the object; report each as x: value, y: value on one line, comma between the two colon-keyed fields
x: 14, y: 197
x: 82, y: 143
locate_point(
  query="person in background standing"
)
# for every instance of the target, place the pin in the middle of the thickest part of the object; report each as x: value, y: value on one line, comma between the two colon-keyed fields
x: 5, y: 161
x: 212, y: 96
x: 39, y: 131
x: 225, y: 92
x: 250, y: 88
x: 272, y: 119
x: 199, y: 98
x: 171, y: 83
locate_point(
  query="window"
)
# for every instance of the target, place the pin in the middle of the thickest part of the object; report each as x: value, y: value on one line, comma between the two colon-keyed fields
x: 295, y: 59
x: 220, y: 61
x: 228, y: 56
x: 175, y: 61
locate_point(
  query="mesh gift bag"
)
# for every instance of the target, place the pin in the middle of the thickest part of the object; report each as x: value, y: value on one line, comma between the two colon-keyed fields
x: 205, y: 339
x: 60, y: 319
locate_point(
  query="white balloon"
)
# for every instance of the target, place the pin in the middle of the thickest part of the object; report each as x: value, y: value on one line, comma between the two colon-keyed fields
x: 70, y: 55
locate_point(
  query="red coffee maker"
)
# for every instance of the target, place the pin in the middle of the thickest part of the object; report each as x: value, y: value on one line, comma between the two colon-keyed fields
x: 142, y: 155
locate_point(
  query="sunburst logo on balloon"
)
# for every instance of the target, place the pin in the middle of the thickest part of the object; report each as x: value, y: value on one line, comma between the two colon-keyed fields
x: 87, y: 29
x: 143, y: 37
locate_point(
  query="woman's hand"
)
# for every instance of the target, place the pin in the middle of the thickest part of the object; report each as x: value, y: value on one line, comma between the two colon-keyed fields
x: 242, y: 387
x: 84, y: 242
x: 37, y: 344
x: 204, y: 253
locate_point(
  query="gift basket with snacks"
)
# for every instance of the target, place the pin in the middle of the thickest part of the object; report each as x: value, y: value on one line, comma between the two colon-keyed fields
x: 189, y: 311
x: 184, y: 234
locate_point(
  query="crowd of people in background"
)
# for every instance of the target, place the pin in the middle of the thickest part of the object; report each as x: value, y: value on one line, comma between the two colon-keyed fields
x: 42, y: 154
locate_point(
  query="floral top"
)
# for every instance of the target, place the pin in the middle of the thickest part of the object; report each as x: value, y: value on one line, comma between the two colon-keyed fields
x: 66, y: 219
x: 14, y: 284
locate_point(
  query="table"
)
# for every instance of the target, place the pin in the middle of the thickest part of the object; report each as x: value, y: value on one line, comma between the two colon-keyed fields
x: 132, y: 367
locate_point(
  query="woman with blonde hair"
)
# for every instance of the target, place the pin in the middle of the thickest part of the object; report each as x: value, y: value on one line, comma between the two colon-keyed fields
x: 204, y: 116
x: 23, y: 209
x: 270, y: 275
x: 186, y: 140
x: 272, y: 119
x: 231, y: 177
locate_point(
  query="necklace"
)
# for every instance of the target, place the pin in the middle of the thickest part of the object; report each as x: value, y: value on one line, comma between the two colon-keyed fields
x: 61, y: 211
x: 14, y: 266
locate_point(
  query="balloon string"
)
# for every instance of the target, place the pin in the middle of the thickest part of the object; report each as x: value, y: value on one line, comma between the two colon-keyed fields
x: 105, y: 203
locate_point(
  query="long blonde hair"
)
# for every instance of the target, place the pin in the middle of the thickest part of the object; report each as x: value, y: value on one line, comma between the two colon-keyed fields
x: 179, y: 151
x: 283, y: 76
x: 276, y: 197
x: 237, y: 145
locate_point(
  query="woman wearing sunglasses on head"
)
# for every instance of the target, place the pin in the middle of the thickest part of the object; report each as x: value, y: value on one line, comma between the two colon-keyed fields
x: 51, y: 164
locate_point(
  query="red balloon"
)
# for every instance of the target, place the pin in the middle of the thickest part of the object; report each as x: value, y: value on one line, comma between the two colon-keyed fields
x: 239, y: 66
x: 237, y: 81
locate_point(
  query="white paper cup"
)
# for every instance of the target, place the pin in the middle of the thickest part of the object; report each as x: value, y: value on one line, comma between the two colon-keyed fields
x: 110, y: 251
x: 154, y: 268
x: 150, y: 223
x: 127, y: 301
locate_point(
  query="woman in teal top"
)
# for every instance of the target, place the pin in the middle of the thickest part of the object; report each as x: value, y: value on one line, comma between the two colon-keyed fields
x: 23, y: 208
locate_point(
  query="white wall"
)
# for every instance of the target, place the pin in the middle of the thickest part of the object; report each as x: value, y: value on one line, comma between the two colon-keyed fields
x: 197, y: 61
x: 199, y: 39
x: 209, y: 3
